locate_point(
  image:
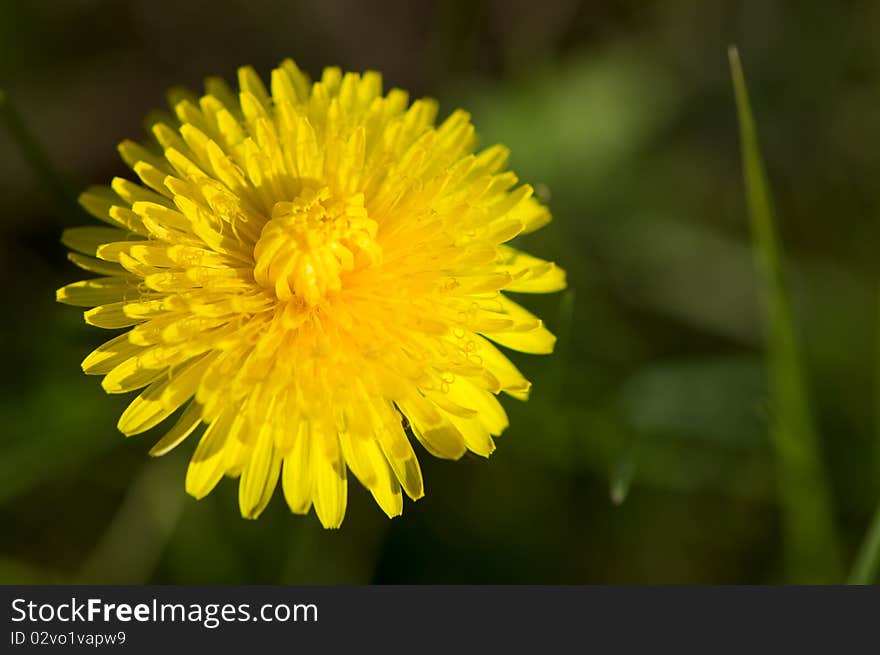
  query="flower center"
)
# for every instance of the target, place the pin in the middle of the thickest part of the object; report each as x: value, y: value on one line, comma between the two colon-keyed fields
x: 307, y: 245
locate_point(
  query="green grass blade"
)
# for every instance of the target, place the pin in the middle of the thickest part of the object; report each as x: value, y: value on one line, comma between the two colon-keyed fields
x: 624, y: 472
x: 866, y: 568
x: 812, y: 553
x: 130, y: 548
x: 877, y: 391
x: 563, y: 329
x: 867, y: 565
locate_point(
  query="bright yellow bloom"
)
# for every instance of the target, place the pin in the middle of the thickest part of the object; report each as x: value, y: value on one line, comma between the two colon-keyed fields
x: 303, y: 267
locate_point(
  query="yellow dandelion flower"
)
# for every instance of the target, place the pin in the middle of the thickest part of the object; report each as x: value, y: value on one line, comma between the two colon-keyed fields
x: 313, y: 270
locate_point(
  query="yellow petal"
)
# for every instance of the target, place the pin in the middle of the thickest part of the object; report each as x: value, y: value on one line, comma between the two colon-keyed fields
x: 331, y: 483
x: 111, y: 316
x: 539, y: 341
x: 296, y: 476
x: 99, y: 291
x: 488, y: 411
x: 386, y: 492
x: 260, y: 475
x: 531, y: 274
x: 87, y: 239
x: 101, y: 202
x: 436, y: 434
x: 401, y: 458
x: 528, y: 334
x: 189, y: 420
x: 476, y: 436
x: 130, y: 375
x: 511, y: 380
x: 95, y: 265
x: 206, y: 466
x: 107, y: 356
x: 163, y: 397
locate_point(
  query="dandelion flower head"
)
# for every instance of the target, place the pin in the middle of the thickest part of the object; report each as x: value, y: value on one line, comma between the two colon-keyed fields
x: 311, y: 273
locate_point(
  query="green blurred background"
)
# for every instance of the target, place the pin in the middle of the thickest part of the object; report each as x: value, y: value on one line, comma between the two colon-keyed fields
x: 622, y: 114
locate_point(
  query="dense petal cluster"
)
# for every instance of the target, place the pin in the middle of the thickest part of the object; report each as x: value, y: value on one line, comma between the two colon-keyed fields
x: 310, y: 272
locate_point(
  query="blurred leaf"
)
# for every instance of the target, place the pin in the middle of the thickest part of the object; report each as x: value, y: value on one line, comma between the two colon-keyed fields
x: 713, y: 399
x: 594, y: 109
x: 691, y: 272
x: 623, y: 473
x: 13, y: 571
x: 201, y: 550
x: 46, y: 172
x: 133, y: 542
x: 812, y: 551
x: 568, y: 439
x: 38, y: 446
